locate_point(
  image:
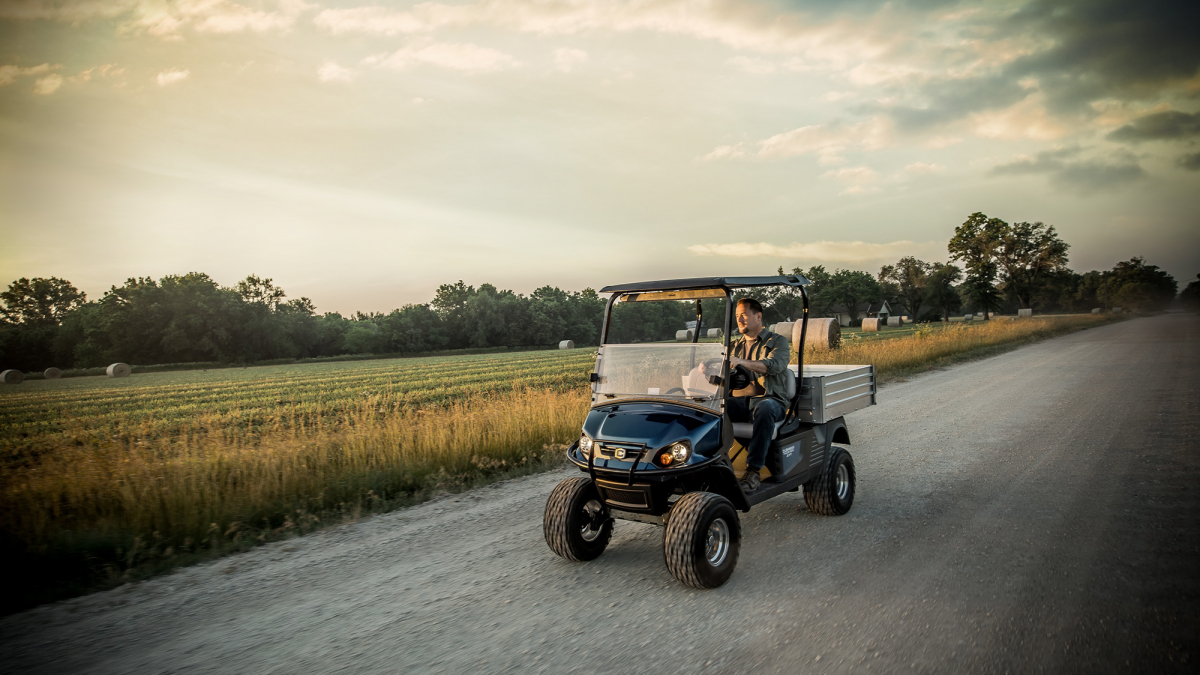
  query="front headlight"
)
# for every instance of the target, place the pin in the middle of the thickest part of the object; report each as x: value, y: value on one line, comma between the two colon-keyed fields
x: 675, y: 453
x: 585, y: 445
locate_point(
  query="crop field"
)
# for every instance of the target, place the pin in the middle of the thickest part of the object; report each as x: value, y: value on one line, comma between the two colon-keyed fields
x: 108, y: 480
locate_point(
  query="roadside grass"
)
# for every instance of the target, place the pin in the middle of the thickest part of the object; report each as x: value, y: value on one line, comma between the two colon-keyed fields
x: 107, y: 481
x: 917, y: 348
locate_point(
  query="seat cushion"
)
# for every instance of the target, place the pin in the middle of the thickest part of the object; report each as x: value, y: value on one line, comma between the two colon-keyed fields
x: 746, y: 430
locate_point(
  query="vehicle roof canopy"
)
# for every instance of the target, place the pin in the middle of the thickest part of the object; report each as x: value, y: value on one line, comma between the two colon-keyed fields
x: 707, y: 282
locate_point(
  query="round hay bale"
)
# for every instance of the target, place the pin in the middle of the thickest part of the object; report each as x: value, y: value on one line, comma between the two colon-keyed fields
x: 822, y: 334
x: 968, y: 317
x: 785, y: 328
x: 1116, y: 310
x: 566, y: 344
x: 1025, y: 312
x: 715, y: 332
x: 12, y: 376
x: 119, y: 370
x: 1095, y: 310
x: 871, y: 325
x: 683, y: 336
x: 895, y: 322
x: 52, y: 373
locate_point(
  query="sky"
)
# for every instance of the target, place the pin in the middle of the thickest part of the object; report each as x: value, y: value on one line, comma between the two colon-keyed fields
x: 362, y: 154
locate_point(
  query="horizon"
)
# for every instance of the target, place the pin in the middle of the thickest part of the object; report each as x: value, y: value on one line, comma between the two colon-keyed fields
x: 361, y: 154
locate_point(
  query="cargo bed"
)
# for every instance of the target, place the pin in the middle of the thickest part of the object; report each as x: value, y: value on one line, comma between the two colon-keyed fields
x: 828, y: 392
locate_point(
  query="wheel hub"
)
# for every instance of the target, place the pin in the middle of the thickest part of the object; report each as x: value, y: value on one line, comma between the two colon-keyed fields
x: 843, y: 482
x: 593, y: 513
x: 716, y: 544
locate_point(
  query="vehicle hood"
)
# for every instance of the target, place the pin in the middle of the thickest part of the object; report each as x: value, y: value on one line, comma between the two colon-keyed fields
x: 652, y: 424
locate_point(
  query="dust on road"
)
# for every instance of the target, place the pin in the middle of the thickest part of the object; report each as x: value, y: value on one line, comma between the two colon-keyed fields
x: 1036, y: 510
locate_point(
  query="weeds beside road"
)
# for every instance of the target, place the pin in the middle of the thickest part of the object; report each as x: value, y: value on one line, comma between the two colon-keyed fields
x: 106, y: 481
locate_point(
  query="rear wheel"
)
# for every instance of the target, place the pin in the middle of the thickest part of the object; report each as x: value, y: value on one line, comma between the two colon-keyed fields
x: 702, y: 540
x: 576, y: 523
x: 832, y: 492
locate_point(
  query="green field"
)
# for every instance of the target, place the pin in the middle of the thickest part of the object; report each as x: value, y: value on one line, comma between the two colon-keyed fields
x: 239, y: 402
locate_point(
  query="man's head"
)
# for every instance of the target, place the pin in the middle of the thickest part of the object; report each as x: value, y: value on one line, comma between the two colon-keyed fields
x: 749, y: 317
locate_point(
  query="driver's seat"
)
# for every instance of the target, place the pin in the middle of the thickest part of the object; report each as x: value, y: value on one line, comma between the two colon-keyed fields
x: 744, y: 430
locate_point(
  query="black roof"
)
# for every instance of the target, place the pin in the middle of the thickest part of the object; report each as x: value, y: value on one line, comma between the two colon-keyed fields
x: 707, y: 282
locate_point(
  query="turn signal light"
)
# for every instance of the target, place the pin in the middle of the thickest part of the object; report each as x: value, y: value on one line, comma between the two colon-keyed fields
x: 664, y: 458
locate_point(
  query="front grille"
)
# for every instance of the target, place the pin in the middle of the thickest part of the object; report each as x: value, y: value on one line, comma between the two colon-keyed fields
x: 619, y: 497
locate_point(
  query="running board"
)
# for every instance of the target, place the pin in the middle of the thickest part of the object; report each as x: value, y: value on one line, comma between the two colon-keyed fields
x: 768, y: 490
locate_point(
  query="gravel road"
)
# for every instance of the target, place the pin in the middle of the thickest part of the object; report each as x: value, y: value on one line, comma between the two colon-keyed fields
x: 1032, y: 511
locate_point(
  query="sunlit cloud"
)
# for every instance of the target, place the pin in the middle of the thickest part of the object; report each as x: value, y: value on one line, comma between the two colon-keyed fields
x: 828, y: 251
x: 9, y: 74
x: 467, y: 58
x: 48, y: 84
x: 858, y: 179
x: 827, y: 141
x: 173, y: 76
x: 924, y: 169
x: 332, y: 72
x: 566, y: 59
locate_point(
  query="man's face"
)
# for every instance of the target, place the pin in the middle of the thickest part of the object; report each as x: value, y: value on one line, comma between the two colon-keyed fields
x: 748, y: 320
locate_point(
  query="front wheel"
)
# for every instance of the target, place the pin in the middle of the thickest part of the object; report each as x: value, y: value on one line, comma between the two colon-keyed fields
x: 702, y: 540
x: 576, y: 523
x: 832, y: 492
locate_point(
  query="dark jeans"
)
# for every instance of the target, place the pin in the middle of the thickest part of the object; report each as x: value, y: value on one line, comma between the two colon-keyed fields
x: 763, y: 413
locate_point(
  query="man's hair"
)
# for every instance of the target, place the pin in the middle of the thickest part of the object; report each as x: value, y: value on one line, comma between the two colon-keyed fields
x: 751, y: 304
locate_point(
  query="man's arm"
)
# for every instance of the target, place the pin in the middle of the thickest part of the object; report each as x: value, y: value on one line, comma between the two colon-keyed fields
x: 778, y: 356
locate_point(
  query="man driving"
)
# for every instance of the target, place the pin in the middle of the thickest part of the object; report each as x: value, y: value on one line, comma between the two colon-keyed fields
x: 764, y: 402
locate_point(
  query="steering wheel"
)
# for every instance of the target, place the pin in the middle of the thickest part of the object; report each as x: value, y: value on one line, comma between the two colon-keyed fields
x: 739, y: 378
x: 675, y: 390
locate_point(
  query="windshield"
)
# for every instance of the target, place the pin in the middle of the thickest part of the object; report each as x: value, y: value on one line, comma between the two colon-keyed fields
x: 638, y: 318
x: 673, y: 371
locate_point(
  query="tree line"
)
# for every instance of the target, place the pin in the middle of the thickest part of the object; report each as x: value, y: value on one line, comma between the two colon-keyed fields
x: 191, y: 318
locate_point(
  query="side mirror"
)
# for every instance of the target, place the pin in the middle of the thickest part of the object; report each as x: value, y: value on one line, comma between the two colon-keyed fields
x: 715, y: 380
x: 595, y: 377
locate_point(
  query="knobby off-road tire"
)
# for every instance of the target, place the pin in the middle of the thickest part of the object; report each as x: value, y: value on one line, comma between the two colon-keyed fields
x: 832, y: 492
x: 702, y: 540
x: 568, y: 521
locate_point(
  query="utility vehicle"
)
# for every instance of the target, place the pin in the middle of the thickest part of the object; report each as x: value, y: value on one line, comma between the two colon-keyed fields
x: 658, y: 445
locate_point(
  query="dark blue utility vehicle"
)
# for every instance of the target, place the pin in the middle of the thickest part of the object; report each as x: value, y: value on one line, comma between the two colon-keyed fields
x: 658, y: 445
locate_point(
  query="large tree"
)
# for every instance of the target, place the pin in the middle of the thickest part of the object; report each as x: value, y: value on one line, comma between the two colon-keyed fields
x: 940, y: 292
x: 975, y: 243
x: 851, y: 288
x: 39, y: 302
x: 1135, y: 285
x: 910, y: 277
x: 1027, y: 254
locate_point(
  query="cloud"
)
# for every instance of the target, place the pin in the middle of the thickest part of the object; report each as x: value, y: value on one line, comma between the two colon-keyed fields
x: 332, y: 72
x: 9, y: 74
x: 48, y: 84
x: 566, y: 59
x: 172, y: 76
x: 858, y: 179
x: 827, y: 141
x: 831, y: 251
x: 923, y: 169
x: 1170, y: 124
x: 1190, y: 162
x: 467, y: 58
x: 1083, y: 176
x: 740, y: 26
x: 105, y: 70
x: 162, y: 19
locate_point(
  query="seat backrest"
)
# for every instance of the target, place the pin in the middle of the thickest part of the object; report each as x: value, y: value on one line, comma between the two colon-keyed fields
x: 791, y: 384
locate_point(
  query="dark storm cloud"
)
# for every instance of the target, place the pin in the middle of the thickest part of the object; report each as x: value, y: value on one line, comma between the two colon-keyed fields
x: 1098, y: 49
x: 1190, y: 162
x: 1167, y: 125
x: 1083, y: 176
x: 1109, y: 48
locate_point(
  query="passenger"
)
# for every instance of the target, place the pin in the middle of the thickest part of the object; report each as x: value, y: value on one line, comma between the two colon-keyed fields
x: 764, y: 402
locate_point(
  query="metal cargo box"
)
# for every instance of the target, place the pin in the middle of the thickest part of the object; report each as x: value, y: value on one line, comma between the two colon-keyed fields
x: 832, y: 391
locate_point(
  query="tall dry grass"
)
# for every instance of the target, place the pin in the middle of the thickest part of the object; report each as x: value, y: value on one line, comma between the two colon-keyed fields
x: 933, y: 345
x: 106, y: 512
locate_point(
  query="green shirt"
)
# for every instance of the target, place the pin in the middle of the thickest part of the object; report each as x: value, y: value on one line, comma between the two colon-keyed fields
x: 773, y: 351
